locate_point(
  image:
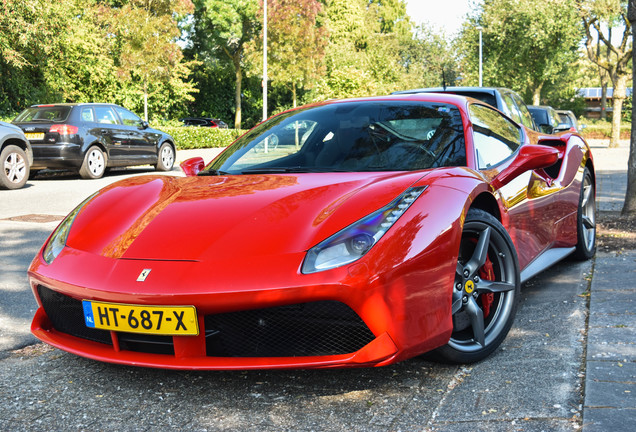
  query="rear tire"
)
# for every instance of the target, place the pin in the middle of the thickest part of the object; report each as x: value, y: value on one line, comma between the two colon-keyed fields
x: 165, y: 160
x: 94, y: 164
x: 586, y: 219
x: 14, y: 167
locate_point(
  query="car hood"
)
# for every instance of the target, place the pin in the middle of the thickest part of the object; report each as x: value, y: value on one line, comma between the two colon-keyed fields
x: 212, y: 218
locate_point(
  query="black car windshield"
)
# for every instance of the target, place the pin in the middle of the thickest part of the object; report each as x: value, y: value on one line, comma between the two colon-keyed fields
x: 46, y: 114
x: 350, y: 136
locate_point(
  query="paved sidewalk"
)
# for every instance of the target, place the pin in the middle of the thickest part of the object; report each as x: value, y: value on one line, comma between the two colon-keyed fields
x: 610, y: 383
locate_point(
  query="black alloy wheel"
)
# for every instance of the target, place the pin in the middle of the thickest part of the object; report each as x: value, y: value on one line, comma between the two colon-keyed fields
x: 586, y: 219
x: 486, y: 291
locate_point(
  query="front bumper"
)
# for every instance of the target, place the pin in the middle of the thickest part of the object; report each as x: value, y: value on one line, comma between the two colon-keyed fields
x: 346, y: 321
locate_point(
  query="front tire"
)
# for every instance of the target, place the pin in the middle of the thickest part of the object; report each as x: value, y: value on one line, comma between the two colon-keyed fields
x: 165, y: 161
x: 14, y: 167
x: 586, y: 219
x: 94, y: 164
x: 486, y: 291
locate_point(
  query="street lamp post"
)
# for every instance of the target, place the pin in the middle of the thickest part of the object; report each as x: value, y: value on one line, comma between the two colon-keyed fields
x: 264, y: 60
x: 480, y: 57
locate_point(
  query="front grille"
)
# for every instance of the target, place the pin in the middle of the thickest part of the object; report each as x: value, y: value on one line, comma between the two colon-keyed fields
x: 146, y: 343
x: 308, y: 329
x: 67, y: 316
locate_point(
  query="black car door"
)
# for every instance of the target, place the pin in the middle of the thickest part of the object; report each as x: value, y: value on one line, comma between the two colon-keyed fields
x: 113, y: 135
x: 143, y: 143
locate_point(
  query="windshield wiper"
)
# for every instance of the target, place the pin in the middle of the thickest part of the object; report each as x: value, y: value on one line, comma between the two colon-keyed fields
x: 211, y: 172
x: 280, y: 170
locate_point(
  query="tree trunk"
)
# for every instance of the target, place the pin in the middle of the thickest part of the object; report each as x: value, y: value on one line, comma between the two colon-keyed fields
x: 603, y: 94
x: 145, y: 100
x: 620, y: 94
x: 536, y: 95
x: 237, y: 97
x: 629, y: 208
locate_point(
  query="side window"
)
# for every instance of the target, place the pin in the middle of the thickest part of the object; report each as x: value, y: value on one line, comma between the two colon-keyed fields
x: 128, y: 118
x: 514, y: 112
x: 105, y: 115
x: 555, y: 119
x: 494, y: 136
x: 526, y: 117
x: 87, y: 115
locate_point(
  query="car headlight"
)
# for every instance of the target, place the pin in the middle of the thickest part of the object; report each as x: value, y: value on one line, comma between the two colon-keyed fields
x: 351, y: 243
x: 58, y: 239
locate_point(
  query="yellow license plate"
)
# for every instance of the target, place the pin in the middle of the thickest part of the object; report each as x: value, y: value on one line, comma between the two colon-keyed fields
x: 34, y: 136
x: 158, y: 320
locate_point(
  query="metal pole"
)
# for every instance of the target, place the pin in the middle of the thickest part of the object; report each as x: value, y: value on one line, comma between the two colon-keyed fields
x: 480, y: 58
x: 264, y: 60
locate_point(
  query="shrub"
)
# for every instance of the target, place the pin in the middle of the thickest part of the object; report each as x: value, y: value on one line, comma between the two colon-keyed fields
x: 598, y: 129
x: 201, y: 137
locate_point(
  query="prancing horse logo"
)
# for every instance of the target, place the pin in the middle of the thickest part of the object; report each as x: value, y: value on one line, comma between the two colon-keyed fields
x: 143, y: 275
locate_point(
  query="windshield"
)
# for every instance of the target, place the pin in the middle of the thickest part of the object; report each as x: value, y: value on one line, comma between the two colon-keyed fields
x: 43, y: 114
x: 350, y: 136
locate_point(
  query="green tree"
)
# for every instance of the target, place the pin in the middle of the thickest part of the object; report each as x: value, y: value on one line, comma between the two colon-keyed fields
x: 296, y: 42
x: 526, y: 44
x: 146, y: 32
x: 594, y: 14
x: 368, y: 48
x: 224, y: 28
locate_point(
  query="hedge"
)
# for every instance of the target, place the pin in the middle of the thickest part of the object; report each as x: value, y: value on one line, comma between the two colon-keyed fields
x: 201, y: 137
x: 602, y: 130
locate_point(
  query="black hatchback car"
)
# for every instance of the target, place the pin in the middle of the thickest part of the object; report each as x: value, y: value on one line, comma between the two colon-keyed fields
x: 90, y: 137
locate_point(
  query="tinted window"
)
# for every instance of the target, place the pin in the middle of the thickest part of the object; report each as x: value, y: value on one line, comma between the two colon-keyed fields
x: 128, y: 118
x: 555, y: 120
x: 495, y: 137
x: 105, y: 115
x: 44, y: 114
x: 351, y: 136
x: 87, y: 115
x: 514, y: 112
x: 526, y: 118
x: 489, y: 98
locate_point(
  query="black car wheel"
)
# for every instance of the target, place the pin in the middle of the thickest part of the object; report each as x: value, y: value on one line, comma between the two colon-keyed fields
x: 486, y: 290
x: 94, y: 164
x: 14, y: 165
x: 586, y: 219
x: 165, y: 161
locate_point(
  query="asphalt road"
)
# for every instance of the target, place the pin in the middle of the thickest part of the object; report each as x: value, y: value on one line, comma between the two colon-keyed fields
x: 532, y: 383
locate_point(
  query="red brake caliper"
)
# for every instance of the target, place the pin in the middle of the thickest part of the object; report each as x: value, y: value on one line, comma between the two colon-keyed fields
x: 487, y: 272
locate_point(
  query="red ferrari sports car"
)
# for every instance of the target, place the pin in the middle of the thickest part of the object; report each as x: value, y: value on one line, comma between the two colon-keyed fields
x: 347, y: 233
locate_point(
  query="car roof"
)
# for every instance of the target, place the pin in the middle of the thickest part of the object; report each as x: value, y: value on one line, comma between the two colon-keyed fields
x: 489, y: 90
x: 71, y: 104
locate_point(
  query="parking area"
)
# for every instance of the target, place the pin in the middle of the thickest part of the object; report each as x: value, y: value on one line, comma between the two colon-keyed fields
x: 534, y: 382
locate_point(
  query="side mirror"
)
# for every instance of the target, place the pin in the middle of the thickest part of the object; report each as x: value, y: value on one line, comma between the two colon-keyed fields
x: 144, y: 125
x: 192, y: 167
x: 530, y: 157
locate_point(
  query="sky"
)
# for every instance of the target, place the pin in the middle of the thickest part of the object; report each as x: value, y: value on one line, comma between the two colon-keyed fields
x: 446, y: 15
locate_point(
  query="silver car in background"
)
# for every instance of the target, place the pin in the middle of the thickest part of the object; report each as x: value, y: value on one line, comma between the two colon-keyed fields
x: 16, y: 157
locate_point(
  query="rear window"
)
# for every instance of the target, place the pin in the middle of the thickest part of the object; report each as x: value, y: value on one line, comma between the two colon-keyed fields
x: 489, y: 98
x: 44, y: 114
